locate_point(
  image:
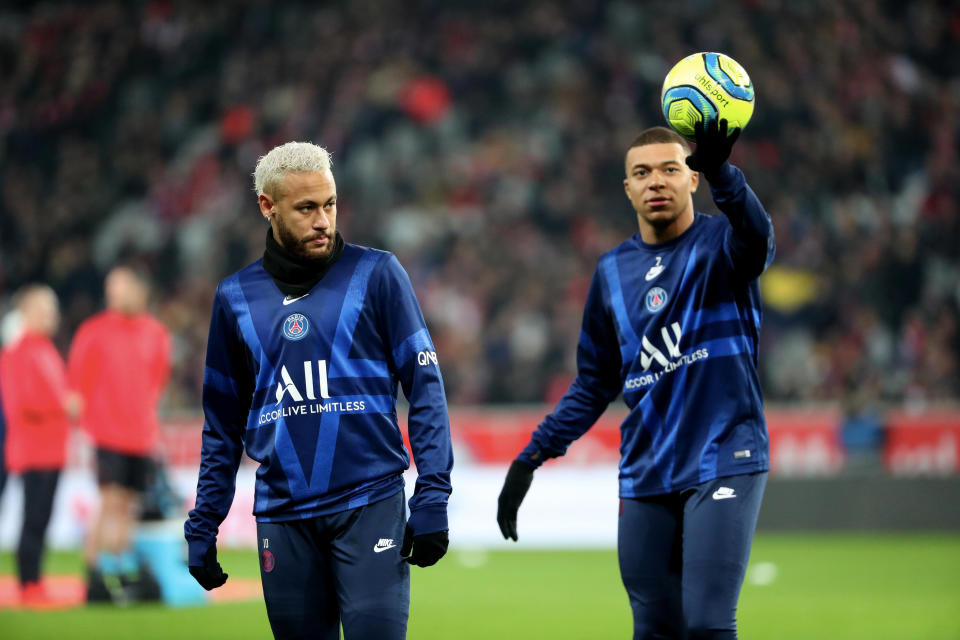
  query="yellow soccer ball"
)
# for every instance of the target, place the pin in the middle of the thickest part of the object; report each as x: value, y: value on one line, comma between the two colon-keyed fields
x: 703, y: 87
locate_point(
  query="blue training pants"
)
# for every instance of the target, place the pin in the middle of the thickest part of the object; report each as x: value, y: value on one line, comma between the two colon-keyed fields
x: 341, y: 568
x: 683, y: 557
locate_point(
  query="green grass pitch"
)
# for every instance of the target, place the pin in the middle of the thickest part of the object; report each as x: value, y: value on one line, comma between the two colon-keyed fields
x: 837, y: 586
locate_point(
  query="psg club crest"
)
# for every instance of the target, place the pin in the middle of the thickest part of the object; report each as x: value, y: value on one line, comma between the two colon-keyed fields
x: 295, y: 326
x: 656, y: 298
x: 269, y: 562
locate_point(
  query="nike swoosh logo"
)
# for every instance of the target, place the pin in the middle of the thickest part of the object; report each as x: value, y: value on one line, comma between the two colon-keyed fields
x: 287, y: 300
x: 380, y: 549
x: 723, y: 496
x: 652, y: 273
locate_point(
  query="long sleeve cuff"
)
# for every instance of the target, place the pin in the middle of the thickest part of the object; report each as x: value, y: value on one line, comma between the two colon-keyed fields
x: 721, y: 177
x: 428, y: 519
x: 532, y: 455
x: 196, y: 550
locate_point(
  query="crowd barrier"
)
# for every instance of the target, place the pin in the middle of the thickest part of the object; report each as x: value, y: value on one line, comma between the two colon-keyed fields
x: 573, y: 501
x: 803, y: 442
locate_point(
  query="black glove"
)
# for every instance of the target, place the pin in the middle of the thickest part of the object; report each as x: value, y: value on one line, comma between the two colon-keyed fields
x: 713, y: 147
x: 425, y: 549
x: 514, y: 489
x: 210, y: 575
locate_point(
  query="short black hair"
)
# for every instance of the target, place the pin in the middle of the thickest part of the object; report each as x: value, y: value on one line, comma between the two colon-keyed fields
x: 659, y: 135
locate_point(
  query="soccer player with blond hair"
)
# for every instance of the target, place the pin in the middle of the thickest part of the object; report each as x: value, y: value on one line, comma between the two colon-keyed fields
x: 307, y: 347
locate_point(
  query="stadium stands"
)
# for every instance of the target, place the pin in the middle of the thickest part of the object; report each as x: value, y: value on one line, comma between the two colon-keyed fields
x: 484, y: 147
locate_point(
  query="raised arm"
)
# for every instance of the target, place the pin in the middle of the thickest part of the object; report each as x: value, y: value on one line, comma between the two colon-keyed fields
x: 749, y: 242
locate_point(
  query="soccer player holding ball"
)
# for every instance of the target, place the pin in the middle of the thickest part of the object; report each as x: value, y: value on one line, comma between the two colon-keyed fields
x: 306, y: 349
x: 672, y: 322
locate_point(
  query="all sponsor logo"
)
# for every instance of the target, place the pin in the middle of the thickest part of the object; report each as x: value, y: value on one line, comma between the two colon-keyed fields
x: 295, y: 327
x: 314, y: 385
x: 286, y: 384
x: 669, y: 358
x: 655, y: 299
x: 651, y: 353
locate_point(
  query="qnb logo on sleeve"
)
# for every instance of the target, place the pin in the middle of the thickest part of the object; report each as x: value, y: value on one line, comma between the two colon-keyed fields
x: 427, y: 357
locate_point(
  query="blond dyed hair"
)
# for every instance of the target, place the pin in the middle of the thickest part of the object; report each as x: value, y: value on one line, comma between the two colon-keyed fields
x: 291, y: 157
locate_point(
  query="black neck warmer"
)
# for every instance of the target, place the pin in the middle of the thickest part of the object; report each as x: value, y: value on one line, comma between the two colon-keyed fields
x: 293, y: 274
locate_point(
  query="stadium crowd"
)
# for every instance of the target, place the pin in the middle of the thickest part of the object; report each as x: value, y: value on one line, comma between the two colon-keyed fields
x: 484, y: 146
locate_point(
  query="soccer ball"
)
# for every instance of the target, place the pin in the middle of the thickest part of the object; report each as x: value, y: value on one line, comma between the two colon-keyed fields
x: 705, y: 87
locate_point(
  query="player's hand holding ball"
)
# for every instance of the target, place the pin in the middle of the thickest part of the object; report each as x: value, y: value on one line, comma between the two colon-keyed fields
x: 425, y: 549
x: 703, y: 96
x: 713, y: 147
x: 210, y: 575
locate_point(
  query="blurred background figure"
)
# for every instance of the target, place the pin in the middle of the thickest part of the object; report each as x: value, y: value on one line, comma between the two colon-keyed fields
x: 10, y: 328
x: 120, y: 364
x: 38, y: 407
x: 3, y: 434
x: 862, y: 430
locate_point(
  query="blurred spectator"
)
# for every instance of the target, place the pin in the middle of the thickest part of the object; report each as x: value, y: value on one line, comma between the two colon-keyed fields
x: 9, y: 329
x: 483, y: 145
x: 3, y: 438
x: 862, y: 429
x: 38, y: 408
x: 120, y: 364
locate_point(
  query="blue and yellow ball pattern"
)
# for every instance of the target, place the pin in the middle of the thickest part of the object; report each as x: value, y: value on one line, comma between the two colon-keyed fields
x: 703, y: 87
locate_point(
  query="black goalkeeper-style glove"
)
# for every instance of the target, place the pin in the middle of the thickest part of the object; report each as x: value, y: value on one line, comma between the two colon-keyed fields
x: 713, y: 147
x: 210, y: 575
x: 515, y: 487
x: 425, y: 549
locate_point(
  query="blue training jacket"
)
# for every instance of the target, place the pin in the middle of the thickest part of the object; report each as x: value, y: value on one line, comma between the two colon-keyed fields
x: 308, y: 387
x: 674, y: 327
